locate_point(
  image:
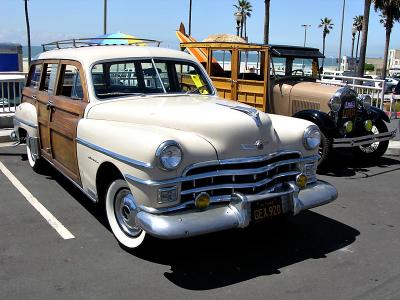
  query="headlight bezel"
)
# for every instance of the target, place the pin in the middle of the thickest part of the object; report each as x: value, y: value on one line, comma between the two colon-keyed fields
x: 161, y: 150
x: 335, y: 103
x: 307, y: 135
x: 366, y: 101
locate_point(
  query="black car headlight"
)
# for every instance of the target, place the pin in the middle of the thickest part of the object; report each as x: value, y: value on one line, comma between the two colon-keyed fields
x: 335, y: 103
x: 311, y: 137
x: 169, y: 155
x: 366, y: 101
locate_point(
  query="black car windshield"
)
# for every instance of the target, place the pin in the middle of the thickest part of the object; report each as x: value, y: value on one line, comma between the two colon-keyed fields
x: 292, y: 66
x: 124, y: 78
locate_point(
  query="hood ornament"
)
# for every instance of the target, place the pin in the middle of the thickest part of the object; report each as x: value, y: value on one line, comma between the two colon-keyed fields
x: 252, y: 112
x: 258, y: 145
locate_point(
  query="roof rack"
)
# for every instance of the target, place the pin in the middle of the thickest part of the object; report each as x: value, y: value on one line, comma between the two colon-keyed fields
x: 98, y: 41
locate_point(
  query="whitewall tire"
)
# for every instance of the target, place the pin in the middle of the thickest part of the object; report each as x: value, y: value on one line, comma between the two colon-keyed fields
x: 121, y: 215
x: 35, y: 162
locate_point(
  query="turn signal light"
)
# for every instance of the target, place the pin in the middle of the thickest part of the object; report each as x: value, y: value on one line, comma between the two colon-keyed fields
x: 202, y: 201
x: 301, y: 181
x: 348, y: 126
x: 368, y: 125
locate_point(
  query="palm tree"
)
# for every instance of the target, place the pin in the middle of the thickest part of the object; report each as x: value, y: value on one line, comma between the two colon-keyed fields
x: 326, y: 25
x: 390, y: 10
x: 28, y: 31
x: 364, y: 38
x: 266, y: 21
x: 353, y: 37
x: 245, y: 8
x: 358, y: 24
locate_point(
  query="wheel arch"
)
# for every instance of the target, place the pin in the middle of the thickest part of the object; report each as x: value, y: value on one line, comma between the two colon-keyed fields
x: 105, y: 175
x: 379, y: 114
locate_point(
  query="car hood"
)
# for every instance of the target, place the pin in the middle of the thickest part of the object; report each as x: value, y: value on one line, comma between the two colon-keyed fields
x: 232, y: 132
x: 312, y: 93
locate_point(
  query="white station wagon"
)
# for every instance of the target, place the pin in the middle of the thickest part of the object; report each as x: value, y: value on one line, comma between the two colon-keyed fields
x: 141, y: 132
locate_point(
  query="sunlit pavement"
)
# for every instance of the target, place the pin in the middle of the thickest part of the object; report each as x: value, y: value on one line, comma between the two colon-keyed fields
x: 347, y: 249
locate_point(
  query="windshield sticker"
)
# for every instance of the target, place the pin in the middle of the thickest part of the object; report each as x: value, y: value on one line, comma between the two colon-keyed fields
x: 199, y: 84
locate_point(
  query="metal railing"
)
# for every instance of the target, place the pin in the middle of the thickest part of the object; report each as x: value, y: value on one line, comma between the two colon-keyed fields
x: 373, y: 87
x: 11, y: 84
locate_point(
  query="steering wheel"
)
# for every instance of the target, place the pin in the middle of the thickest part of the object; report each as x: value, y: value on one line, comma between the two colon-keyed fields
x: 185, y: 86
x: 297, y: 70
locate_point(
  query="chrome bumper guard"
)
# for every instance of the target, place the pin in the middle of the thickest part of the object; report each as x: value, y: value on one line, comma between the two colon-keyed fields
x: 363, y: 140
x: 236, y: 214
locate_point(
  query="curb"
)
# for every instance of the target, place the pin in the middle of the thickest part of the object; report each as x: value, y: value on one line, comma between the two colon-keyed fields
x: 5, y: 135
x: 394, y: 148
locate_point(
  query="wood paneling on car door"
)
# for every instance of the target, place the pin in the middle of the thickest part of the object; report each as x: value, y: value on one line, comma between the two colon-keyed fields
x: 65, y: 115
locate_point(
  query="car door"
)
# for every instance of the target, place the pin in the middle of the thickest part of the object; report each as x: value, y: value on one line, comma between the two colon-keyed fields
x: 67, y: 107
x: 43, y: 97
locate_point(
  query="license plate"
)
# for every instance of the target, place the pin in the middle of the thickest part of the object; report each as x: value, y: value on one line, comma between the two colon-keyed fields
x: 266, y: 209
x: 350, y: 104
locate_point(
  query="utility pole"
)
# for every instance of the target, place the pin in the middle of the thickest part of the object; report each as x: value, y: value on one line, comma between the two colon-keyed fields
x: 305, y: 33
x: 305, y: 37
x: 190, y: 17
x: 341, y: 36
x: 266, y: 21
x: 105, y: 18
x: 28, y: 32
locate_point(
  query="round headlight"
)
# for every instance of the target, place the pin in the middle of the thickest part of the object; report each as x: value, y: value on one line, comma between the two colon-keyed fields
x: 366, y: 101
x: 335, y: 103
x: 312, y: 137
x: 169, y: 155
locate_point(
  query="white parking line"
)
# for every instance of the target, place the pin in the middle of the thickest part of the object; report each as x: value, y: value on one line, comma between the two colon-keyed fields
x: 62, y: 231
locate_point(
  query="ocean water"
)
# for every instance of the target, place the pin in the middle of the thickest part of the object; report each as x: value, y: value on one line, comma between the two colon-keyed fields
x: 252, y: 58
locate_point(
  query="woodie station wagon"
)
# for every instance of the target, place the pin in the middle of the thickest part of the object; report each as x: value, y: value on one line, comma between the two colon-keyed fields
x: 141, y: 132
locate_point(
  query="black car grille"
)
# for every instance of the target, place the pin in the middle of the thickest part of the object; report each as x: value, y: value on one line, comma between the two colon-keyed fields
x: 251, y: 176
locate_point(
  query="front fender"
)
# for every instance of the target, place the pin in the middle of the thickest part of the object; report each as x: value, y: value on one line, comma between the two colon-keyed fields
x: 378, y: 114
x: 319, y: 118
x: 131, y: 149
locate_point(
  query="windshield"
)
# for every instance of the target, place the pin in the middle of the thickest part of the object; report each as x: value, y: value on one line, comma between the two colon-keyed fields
x: 145, y: 76
x: 289, y: 66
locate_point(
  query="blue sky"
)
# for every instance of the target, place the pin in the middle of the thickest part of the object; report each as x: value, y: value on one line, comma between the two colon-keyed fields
x: 158, y: 19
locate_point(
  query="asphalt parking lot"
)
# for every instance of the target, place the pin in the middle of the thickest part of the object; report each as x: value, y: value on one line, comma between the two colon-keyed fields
x: 349, y: 249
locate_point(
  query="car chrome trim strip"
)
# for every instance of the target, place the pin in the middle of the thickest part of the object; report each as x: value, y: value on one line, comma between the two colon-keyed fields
x: 121, y: 158
x: 25, y: 122
x: 363, y: 140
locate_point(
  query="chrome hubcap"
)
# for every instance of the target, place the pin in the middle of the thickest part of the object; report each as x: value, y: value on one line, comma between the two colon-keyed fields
x: 125, y: 211
x: 372, y: 147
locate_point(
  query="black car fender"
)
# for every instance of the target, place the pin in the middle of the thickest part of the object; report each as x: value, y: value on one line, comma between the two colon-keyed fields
x: 376, y: 114
x: 319, y: 118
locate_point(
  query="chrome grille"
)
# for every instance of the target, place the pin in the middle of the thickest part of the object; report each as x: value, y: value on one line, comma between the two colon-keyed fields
x: 247, y: 176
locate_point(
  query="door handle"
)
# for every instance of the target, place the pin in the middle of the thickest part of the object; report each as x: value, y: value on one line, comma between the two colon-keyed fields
x: 50, y: 105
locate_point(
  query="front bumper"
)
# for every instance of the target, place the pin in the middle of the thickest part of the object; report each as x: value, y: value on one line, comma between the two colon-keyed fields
x: 363, y: 140
x: 233, y: 215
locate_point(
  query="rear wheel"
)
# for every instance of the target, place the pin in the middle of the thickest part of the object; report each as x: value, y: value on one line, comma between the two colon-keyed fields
x: 377, y: 149
x: 121, y: 213
x: 34, y: 161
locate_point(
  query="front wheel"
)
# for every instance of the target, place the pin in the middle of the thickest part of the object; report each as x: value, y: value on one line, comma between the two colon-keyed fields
x: 377, y: 149
x: 121, y: 213
x: 324, y: 151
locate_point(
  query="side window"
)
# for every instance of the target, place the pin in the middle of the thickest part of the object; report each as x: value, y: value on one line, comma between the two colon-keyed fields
x: 70, y: 83
x: 249, y: 65
x: 36, y: 71
x: 221, y: 63
x: 50, y: 78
